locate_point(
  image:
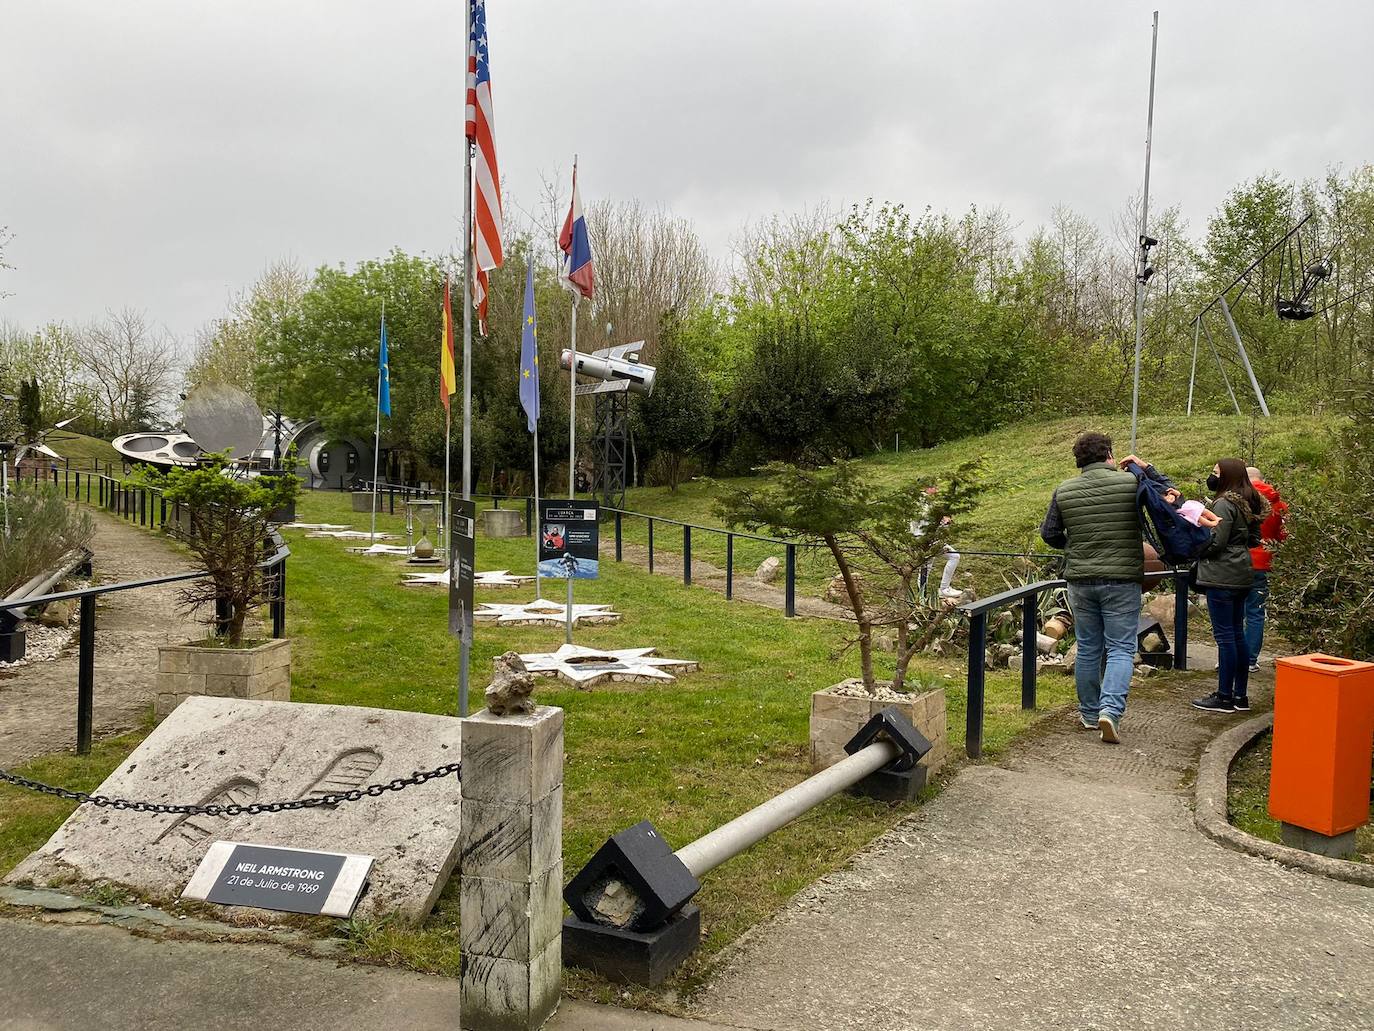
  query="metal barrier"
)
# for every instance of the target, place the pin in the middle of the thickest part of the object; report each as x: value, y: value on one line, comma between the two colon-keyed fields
x: 790, y: 552
x: 1027, y: 597
x: 631, y: 915
x: 390, y: 490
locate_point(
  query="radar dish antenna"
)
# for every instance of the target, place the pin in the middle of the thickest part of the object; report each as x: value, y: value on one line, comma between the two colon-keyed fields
x: 220, y: 417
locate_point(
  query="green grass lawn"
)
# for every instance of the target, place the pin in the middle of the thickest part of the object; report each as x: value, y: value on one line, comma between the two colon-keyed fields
x: 687, y: 756
x: 1247, y: 802
x: 82, y: 450
x: 1025, y: 462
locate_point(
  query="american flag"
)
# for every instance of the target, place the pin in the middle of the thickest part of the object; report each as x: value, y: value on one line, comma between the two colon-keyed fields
x: 487, y: 223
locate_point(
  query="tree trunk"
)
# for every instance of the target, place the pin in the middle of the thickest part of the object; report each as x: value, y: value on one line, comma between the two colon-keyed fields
x: 856, y: 604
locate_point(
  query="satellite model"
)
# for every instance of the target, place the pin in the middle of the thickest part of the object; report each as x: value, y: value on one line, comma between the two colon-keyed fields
x: 616, y: 372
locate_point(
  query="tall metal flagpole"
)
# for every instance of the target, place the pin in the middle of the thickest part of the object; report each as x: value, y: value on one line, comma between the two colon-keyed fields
x: 377, y: 433
x: 448, y: 427
x: 538, y: 580
x: 1144, y: 253
x: 465, y: 645
x: 572, y: 443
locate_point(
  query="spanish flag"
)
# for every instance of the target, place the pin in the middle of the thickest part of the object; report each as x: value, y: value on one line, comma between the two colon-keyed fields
x: 448, y: 379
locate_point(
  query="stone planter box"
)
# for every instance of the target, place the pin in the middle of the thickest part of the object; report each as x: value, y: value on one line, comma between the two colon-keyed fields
x: 836, y: 718
x: 503, y: 522
x: 362, y: 501
x: 260, y: 672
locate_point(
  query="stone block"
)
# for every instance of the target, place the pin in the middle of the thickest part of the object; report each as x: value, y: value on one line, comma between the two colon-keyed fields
x: 173, y: 660
x: 513, y: 758
x: 222, y: 751
x: 222, y: 685
x: 362, y: 501
x: 511, y: 919
x: 512, y: 840
x: 1338, y: 846
x: 835, y: 719
x: 503, y: 522
x: 507, y: 995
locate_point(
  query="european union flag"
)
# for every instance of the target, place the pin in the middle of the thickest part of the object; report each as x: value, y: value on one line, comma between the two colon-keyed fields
x: 383, y: 376
x: 529, y: 354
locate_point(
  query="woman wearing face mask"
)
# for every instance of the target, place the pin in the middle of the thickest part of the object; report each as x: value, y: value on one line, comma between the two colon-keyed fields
x: 1225, y: 575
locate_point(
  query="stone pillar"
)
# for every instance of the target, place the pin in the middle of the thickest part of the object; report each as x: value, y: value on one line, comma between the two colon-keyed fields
x: 511, y: 859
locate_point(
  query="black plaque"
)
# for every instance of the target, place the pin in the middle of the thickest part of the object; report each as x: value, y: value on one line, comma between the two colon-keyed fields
x: 569, y: 539
x: 462, y: 546
x: 288, y: 880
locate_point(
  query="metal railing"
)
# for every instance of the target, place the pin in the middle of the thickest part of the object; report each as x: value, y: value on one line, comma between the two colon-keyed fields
x: 790, y: 552
x: 1028, y: 598
x: 391, y: 490
x: 135, y: 503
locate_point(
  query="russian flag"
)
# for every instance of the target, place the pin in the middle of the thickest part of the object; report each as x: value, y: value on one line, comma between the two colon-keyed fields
x: 576, y: 248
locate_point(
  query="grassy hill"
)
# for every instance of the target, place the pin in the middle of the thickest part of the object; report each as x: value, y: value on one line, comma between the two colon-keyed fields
x: 81, y: 449
x: 1024, y: 463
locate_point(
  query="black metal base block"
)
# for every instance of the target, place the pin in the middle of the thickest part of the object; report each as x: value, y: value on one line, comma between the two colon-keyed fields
x: 633, y: 957
x: 892, y: 785
x: 12, y: 645
x: 1159, y: 660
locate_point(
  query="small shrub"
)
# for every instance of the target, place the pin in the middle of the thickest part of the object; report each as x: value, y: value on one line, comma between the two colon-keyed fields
x: 43, y: 528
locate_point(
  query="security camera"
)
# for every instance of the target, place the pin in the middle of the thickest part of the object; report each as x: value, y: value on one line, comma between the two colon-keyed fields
x: 1144, y: 276
x: 1146, y: 242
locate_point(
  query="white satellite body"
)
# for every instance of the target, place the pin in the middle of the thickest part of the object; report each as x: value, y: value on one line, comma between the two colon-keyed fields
x: 617, y: 368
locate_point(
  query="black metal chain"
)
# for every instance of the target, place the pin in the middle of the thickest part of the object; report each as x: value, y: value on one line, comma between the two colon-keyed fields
x: 334, y: 798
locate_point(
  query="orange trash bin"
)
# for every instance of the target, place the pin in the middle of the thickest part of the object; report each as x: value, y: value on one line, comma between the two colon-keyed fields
x: 1323, y: 743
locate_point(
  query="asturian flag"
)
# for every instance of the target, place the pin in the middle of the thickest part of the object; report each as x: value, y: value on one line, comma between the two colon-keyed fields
x: 448, y: 376
x: 529, y: 354
x: 576, y: 247
x: 480, y: 127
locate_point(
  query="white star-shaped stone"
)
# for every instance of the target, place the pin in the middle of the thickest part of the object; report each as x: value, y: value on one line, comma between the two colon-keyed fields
x: 492, y: 578
x: 315, y: 526
x: 380, y: 549
x: 543, y: 612
x: 352, y: 535
x: 587, y: 666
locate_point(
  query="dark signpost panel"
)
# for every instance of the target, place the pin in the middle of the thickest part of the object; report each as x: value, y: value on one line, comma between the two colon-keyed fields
x: 463, y: 548
x: 568, y: 539
x: 287, y: 880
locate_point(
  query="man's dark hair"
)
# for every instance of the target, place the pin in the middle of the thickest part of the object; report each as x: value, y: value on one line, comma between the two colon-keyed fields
x: 1091, y: 447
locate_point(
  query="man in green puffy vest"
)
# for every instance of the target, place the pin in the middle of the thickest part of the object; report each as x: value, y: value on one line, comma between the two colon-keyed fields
x: 1095, y: 520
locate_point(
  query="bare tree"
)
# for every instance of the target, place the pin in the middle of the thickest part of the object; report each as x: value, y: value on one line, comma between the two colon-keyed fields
x: 231, y: 349
x: 782, y: 260
x: 131, y: 364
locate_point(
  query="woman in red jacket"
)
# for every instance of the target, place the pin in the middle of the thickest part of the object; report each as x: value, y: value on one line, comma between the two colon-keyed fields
x: 1271, y: 533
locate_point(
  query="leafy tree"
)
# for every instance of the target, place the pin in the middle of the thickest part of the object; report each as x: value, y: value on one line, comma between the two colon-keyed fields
x: 869, y: 533
x: 678, y: 418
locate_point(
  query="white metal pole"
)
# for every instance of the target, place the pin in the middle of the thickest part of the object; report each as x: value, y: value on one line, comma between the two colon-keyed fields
x: 534, y: 530
x: 572, y: 451
x: 1220, y: 367
x: 377, y: 432
x: 1192, y: 375
x: 1144, y: 217
x: 464, y: 645
x: 443, y: 508
x: 1244, y: 358
x: 729, y: 840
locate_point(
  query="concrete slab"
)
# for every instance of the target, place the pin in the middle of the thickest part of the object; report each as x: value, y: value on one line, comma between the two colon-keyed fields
x: 222, y: 751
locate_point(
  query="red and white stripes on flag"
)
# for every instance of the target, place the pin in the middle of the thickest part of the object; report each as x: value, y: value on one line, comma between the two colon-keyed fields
x: 487, y: 221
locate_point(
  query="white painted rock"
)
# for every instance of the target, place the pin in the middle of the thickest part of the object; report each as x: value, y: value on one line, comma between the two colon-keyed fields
x: 223, y: 751
x: 768, y: 570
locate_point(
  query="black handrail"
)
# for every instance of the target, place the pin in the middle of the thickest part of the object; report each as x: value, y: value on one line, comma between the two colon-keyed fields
x: 790, y: 552
x: 1027, y: 596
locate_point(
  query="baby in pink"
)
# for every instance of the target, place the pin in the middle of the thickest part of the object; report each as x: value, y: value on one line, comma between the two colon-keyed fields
x: 1197, y: 514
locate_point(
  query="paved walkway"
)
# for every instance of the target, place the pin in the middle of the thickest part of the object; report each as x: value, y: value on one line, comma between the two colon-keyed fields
x: 1065, y: 888
x: 38, y: 701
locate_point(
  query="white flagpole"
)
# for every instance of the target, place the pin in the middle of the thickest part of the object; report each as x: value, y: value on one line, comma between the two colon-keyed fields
x: 377, y: 433
x: 1143, y: 251
x: 572, y: 449
x: 464, y: 645
x: 538, y: 580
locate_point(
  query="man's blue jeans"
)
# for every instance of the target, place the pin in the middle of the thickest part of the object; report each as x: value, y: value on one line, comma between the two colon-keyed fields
x: 1256, y: 604
x: 1106, y: 616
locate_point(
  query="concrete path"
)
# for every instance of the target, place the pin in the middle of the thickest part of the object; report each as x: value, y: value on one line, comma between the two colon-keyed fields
x: 38, y: 701
x: 73, y: 978
x: 1065, y: 888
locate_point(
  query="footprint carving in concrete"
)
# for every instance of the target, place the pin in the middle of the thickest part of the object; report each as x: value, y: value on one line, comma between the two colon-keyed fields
x: 195, y: 829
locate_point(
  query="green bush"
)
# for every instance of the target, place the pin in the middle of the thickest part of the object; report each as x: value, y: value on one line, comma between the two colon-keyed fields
x: 42, y: 529
x: 1323, y: 583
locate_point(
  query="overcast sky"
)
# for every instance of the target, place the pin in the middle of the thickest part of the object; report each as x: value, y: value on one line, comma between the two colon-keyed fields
x: 159, y: 153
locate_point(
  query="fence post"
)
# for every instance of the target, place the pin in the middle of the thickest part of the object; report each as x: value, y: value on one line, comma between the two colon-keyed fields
x: 977, y: 659
x: 729, y: 566
x: 162, y: 510
x: 85, y: 676
x: 511, y: 869
x: 1029, y: 650
x: 619, y: 541
x: 1181, y: 620
x: 279, y: 600
x: 529, y: 520
x: 686, y: 555
x: 790, y: 587
x: 651, y: 544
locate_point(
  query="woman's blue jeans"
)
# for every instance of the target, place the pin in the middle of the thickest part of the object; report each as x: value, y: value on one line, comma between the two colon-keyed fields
x: 1227, y: 609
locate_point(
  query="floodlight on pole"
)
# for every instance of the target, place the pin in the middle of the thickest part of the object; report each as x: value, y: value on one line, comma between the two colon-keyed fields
x: 1146, y: 241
